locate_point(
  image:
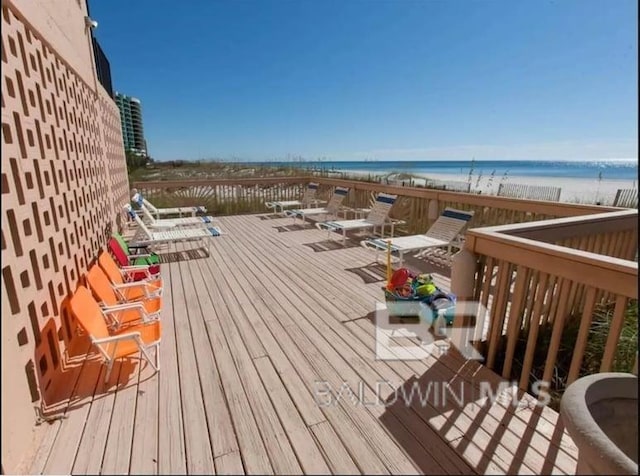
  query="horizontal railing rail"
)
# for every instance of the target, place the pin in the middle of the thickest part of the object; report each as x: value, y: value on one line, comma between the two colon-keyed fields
x: 418, y: 207
x: 611, y: 234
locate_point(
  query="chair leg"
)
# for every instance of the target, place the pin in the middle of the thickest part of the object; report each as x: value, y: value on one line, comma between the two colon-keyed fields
x: 147, y: 357
x: 109, y: 369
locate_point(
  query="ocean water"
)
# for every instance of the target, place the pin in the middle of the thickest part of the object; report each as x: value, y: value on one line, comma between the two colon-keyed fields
x: 604, y: 169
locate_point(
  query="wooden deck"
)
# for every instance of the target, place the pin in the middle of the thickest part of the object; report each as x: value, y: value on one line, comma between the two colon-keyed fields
x: 268, y: 366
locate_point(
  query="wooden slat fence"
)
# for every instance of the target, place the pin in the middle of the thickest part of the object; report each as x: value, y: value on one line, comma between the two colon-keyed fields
x: 531, y: 192
x: 626, y: 198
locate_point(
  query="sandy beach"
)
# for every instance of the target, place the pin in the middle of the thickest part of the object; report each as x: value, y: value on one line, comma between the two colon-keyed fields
x: 574, y: 190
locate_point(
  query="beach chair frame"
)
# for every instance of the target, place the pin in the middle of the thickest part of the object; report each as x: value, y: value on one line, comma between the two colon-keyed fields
x: 444, y: 234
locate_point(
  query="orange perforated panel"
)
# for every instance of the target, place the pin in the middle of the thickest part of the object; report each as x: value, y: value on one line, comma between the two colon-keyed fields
x: 64, y: 181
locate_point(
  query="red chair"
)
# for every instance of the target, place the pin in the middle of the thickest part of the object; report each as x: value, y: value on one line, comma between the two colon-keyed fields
x: 138, y: 266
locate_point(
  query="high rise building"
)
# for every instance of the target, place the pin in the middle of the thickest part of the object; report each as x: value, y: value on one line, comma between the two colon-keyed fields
x: 131, y: 119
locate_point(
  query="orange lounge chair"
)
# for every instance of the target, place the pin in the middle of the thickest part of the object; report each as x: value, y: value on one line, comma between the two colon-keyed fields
x: 118, y: 344
x: 122, y: 312
x: 150, y: 287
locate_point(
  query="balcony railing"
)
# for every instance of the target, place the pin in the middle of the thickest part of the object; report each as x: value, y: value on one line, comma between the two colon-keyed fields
x: 552, y: 289
x: 418, y: 207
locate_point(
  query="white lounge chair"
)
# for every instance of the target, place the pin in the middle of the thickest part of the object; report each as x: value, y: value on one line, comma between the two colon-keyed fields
x: 377, y: 217
x: 138, y: 199
x: 443, y: 233
x: 332, y: 207
x: 174, y: 222
x: 175, y: 235
x: 308, y: 198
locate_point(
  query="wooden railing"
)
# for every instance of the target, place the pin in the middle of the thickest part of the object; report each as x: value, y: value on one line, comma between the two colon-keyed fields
x: 417, y: 206
x: 223, y: 197
x: 542, y: 284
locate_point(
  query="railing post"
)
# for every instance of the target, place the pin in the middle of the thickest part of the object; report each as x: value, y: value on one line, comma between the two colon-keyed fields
x: 463, y: 273
x: 432, y: 212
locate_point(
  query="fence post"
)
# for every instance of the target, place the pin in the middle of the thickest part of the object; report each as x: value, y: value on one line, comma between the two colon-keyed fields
x: 463, y: 274
x: 432, y: 212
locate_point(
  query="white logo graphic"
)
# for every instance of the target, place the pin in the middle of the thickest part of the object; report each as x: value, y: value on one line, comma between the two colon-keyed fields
x: 415, y: 341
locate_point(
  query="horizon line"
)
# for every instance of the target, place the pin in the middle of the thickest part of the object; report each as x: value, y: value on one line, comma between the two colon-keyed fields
x: 324, y: 160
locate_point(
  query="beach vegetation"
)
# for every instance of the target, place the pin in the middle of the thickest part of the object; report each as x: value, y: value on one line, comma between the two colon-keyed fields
x: 472, y: 168
x: 624, y: 360
x: 135, y: 160
x: 489, y: 186
x: 477, y: 186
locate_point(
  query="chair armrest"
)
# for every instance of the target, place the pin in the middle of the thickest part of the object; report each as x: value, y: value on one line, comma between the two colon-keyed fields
x: 132, y: 268
x: 130, y: 335
x: 135, y: 247
x: 135, y: 284
x: 124, y: 307
x: 397, y: 221
x: 121, y: 337
x: 138, y: 255
x: 150, y: 291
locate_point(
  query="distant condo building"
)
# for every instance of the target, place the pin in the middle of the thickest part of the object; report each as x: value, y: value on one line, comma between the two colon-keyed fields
x: 131, y: 118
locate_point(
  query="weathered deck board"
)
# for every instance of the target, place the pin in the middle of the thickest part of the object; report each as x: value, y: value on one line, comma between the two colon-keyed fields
x: 117, y: 454
x: 171, y: 445
x: 92, y: 445
x: 65, y: 447
x: 384, y: 374
x: 274, y: 438
x: 144, y: 450
x: 220, y: 427
x: 303, y: 443
x: 255, y: 457
x: 49, y: 431
x: 286, y: 410
x: 365, y: 372
x: 197, y: 442
x: 248, y: 334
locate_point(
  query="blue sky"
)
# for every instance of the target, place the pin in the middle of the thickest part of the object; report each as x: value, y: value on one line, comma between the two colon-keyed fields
x: 354, y: 79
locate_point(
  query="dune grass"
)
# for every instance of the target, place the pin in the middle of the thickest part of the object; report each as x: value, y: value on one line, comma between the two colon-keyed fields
x: 624, y: 360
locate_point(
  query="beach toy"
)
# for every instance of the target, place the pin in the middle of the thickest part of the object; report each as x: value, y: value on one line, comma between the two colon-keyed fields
x: 424, y: 278
x: 426, y: 289
x: 405, y: 291
x: 399, y: 278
